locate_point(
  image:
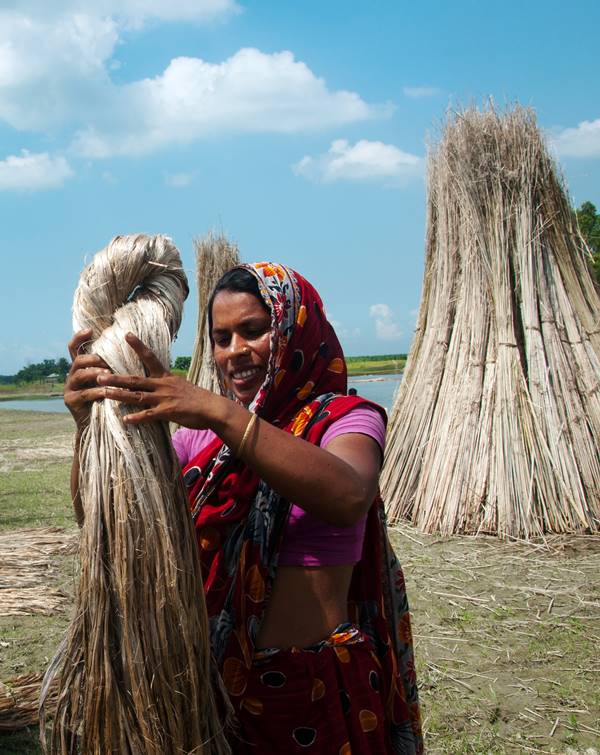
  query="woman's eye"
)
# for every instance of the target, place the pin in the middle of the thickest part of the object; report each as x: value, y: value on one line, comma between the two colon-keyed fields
x: 256, y: 332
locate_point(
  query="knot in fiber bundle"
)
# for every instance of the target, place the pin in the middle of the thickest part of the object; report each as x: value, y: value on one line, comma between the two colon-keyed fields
x: 137, y: 284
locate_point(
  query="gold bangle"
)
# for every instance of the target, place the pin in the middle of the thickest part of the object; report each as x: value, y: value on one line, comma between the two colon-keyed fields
x: 246, y: 435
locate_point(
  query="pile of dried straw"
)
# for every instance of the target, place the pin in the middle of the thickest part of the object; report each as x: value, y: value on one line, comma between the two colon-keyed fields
x: 26, y: 566
x: 19, y: 701
x: 215, y: 255
x: 496, y: 426
x: 134, y: 672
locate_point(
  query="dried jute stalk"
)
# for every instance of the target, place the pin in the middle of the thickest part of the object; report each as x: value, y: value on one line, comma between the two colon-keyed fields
x: 215, y: 255
x: 496, y: 426
x: 134, y: 671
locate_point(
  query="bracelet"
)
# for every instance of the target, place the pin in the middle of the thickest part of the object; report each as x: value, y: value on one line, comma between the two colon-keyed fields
x: 246, y: 435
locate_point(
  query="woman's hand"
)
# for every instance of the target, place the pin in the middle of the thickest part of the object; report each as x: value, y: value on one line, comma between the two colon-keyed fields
x: 161, y: 395
x: 81, y: 388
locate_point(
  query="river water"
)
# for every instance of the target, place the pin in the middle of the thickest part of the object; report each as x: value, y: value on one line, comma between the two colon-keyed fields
x: 377, y: 388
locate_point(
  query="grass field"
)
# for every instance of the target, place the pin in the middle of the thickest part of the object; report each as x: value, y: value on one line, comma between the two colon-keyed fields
x: 507, y: 635
x: 362, y: 366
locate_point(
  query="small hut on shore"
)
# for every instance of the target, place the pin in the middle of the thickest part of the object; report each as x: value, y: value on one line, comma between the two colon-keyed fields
x: 496, y: 426
x: 215, y: 254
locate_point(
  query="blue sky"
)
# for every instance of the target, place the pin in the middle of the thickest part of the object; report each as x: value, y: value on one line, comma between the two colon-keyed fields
x: 297, y: 128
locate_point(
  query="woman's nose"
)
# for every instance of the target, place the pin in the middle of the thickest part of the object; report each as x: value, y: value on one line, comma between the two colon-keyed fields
x: 238, y: 345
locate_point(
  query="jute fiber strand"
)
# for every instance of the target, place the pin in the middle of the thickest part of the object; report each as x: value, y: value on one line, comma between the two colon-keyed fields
x: 496, y: 426
x: 215, y: 255
x: 134, y: 671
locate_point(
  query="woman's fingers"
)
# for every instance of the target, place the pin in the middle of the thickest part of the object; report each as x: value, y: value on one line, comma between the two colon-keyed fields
x: 127, y: 396
x: 78, y: 340
x: 84, y: 361
x: 78, y: 399
x: 130, y: 382
x: 139, y: 418
x: 86, y: 376
x: 149, y: 359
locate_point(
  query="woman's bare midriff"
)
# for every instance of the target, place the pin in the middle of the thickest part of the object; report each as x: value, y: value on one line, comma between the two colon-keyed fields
x: 306, y: 605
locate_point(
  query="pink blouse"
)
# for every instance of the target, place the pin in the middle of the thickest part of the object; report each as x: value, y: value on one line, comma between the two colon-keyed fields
x: 307, y: 540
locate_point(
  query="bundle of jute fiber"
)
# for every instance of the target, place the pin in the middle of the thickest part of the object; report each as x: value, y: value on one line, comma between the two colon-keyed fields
x: 134, y: 671
x: 496, y: 426
x: 215, y: 255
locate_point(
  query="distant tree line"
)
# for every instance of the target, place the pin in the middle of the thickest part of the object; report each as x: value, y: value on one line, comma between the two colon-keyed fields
x: 39, y: 372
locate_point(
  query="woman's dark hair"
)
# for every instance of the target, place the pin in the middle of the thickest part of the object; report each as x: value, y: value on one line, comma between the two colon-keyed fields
x: 239, y: 280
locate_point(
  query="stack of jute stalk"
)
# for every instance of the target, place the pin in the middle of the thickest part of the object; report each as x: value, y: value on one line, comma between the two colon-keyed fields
x: 134, y: 671
x: 215, y: 255
x: 496, y: 426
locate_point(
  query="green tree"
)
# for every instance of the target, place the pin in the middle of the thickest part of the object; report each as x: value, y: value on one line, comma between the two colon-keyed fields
x: 182, y: 363
x: 62, y: 367
x: 37, y: 372
x: 589, y: 225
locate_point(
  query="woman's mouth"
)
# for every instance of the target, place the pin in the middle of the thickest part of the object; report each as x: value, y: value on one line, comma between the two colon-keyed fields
x: 246, y: 375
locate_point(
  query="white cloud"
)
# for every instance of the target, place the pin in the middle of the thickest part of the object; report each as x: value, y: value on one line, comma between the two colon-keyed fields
x: 249, y: 92
x: 341, y: 330
x: 67, y: 84
x: 386, y: 329
x: 380, y: 310
x: 140, y: 11
x: 363, y: 161
x: 580, y: 141
x: 417, y: 93
x: 179, y: 180
x: 64, y: 77
x: 67, y: 80
x: 30, y: 171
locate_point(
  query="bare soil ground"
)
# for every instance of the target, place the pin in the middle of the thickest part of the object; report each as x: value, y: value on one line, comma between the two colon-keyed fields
x: 507, y: 634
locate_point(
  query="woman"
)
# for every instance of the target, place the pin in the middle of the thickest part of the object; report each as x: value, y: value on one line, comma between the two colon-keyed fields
x: 308, y: 616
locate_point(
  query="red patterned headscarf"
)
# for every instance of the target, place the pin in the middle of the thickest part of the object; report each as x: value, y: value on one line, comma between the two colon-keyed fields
x: 306, y: 357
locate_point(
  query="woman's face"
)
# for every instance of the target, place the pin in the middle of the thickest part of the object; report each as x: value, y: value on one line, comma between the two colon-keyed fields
x: 241, y: 334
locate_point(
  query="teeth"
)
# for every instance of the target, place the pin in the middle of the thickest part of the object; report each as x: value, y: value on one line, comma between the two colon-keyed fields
x: 245, y: 374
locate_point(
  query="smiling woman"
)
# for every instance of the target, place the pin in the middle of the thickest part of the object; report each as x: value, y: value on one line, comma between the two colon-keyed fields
x: 307, y: 609
x: 240, y: 332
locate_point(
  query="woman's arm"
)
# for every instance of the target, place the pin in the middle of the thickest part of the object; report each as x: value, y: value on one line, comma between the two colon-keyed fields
x: 337, y: 484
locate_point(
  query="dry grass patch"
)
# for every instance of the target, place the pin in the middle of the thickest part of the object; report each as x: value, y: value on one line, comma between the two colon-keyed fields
x: 506, y: 641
